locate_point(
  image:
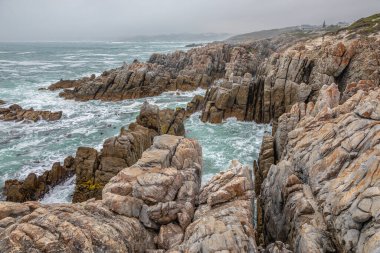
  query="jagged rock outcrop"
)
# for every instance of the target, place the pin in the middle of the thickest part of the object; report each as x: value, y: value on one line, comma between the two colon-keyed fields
x: 322, y: 196
x: 293, y: 76
x: 162, y: 187
x: 156, y: 205
x: 195, y: 105
x: 68, y: 84
x: 93, y: 169
x: 227, y: 99
x: 35, y: 187
x: 198, y: 67
x: 261, y: 169
x: 223, y: 219
x: 17, y: 113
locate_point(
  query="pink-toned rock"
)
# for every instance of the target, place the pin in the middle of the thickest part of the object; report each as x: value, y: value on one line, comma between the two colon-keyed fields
x: 323, y: 192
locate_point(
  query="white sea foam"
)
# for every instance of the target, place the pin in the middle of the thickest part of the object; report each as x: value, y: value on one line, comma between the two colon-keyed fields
x: 22, y: 53
x: 61, y: 193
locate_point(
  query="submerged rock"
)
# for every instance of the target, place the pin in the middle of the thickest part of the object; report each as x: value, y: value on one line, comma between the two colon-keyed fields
x: 17, y: 113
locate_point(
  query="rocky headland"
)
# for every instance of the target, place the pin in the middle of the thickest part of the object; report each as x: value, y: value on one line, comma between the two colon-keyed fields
x: 316, y: 185
x: 291, y: 76
x: 197, y: 67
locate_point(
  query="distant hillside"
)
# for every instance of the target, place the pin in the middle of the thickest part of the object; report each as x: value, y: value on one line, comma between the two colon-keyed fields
x: 184, y: 37
x: 259, y: 35
x: 366, y: 25
x: 302, y: 31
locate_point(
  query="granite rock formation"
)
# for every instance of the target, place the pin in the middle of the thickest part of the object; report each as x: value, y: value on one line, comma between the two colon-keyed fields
x: 223, y: 220
x: 292, y: 76
x: 156, y: 205
x: 261, y: 169
x: 321, y: 196
x: 198, y: 67
x: 195, y: 105
x: 35, y: 187
x: 93, y: 169
x: 17, y: 113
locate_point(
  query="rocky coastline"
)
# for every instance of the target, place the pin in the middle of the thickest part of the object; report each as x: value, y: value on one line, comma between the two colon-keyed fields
x: 93, y: 169
x: 17, y: 113
x: 155, y: 205
x: 314, y: 188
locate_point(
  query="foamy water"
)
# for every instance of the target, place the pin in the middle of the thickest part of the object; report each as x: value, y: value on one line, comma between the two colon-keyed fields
x: 26, y: 147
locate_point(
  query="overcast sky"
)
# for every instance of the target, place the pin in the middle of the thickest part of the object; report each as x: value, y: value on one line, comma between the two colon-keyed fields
x: 47, y: 20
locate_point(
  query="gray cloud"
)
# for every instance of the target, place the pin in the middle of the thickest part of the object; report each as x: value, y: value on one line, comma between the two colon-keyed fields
x: 114, y: 19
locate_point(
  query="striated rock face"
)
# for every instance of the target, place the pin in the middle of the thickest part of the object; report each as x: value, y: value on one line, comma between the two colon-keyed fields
x: 323, y: 195
x: 198, y: 67
x: 293, y: 76
x: 68, y: 84
x: 93, y: 169
x: 87, y: 227
x: 223, y: 219
x: 228, y: 99
x: 155, y: 205
x: 17, y: 113
x: 261, y: 168
x: 161, y: 188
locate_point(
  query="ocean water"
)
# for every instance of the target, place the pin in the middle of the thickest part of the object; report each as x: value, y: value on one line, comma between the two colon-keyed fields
x: 34, y: 147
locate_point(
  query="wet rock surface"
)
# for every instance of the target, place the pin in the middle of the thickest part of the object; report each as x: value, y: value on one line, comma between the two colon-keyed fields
x: 17, y: 113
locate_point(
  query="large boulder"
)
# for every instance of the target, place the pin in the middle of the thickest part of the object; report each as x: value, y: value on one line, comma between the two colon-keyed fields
x: 94, y: 171
x: 223, y: 219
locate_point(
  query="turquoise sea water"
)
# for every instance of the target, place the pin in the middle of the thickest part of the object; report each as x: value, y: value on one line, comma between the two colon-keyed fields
x: 27, y: 147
